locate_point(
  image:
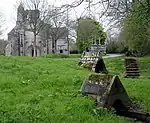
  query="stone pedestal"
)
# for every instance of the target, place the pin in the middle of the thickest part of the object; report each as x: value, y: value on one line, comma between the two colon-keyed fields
x: 132, y: 68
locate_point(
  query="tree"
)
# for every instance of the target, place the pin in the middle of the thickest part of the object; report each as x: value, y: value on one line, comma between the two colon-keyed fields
x: 38, y: 16
x: 136, y: 28
x: 131, y: 17
x: 0, y: 27
x: 113, y: 11
x: 1, y: 23
x: 3, y: 44
x: 59, y: 26
x: 73, y: 45
x: 89, y: 30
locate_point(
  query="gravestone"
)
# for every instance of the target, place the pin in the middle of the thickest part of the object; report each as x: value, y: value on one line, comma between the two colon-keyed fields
x: 105, y: 90
x: 91, y: 58
x: 132, y: 67
x: 108, y: 92
x: 87, y: 59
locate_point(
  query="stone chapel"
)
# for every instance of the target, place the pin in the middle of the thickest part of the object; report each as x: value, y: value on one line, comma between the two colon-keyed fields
x: 20, y: 38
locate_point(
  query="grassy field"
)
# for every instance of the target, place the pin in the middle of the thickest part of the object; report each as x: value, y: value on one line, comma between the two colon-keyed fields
x: 46, y: 90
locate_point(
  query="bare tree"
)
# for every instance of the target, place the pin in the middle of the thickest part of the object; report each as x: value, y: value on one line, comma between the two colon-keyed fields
x: 3, y: 44
x: 112, y: 10
x: 1, y: 23
x: 42, y: 16
x: 59, y: 26
x: 38, y: 16
x: 0, y: 26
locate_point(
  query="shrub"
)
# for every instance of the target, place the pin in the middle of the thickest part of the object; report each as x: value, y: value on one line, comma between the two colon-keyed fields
x: 62, y: 56
x: 74, y: 52
x: 56, y: 56
x: 117, y: 47
x: 112, y: 47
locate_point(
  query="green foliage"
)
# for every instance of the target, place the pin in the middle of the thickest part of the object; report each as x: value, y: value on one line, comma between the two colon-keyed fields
x: 72, y: 45
x: 117, y: 46
x: 136, y: 29
x: 38, y: 89
x: 89, y: 30
x: 112, y: 47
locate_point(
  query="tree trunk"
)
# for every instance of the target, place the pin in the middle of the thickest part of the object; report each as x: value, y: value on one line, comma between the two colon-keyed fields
x: 68, y: 47
x: 47, y: 45
x: 53, y: 46
x: 34, y: 45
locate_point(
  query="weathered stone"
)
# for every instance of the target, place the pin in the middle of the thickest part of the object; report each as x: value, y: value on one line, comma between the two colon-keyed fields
x: 87, y: 60
x: 87, y: 65
x: 21, y: 37
x: 99, y: 66
x: 132, y: 67
x: 105, y: 89
x: 95, y: 63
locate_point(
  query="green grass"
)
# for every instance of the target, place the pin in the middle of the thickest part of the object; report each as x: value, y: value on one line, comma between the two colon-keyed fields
x: 46, y: 90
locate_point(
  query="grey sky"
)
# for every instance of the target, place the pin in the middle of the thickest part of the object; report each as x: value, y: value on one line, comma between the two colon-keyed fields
x: 9, y: 13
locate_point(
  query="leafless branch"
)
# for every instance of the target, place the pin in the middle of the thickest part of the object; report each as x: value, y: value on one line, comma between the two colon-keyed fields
x: 73, y: 5
x: 1, y: 24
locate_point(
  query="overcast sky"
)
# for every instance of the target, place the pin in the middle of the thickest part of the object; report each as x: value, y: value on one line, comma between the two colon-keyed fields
x: 9, y: 12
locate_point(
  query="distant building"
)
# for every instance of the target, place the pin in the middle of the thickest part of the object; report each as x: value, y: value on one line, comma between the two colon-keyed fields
x: 21, y: 38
